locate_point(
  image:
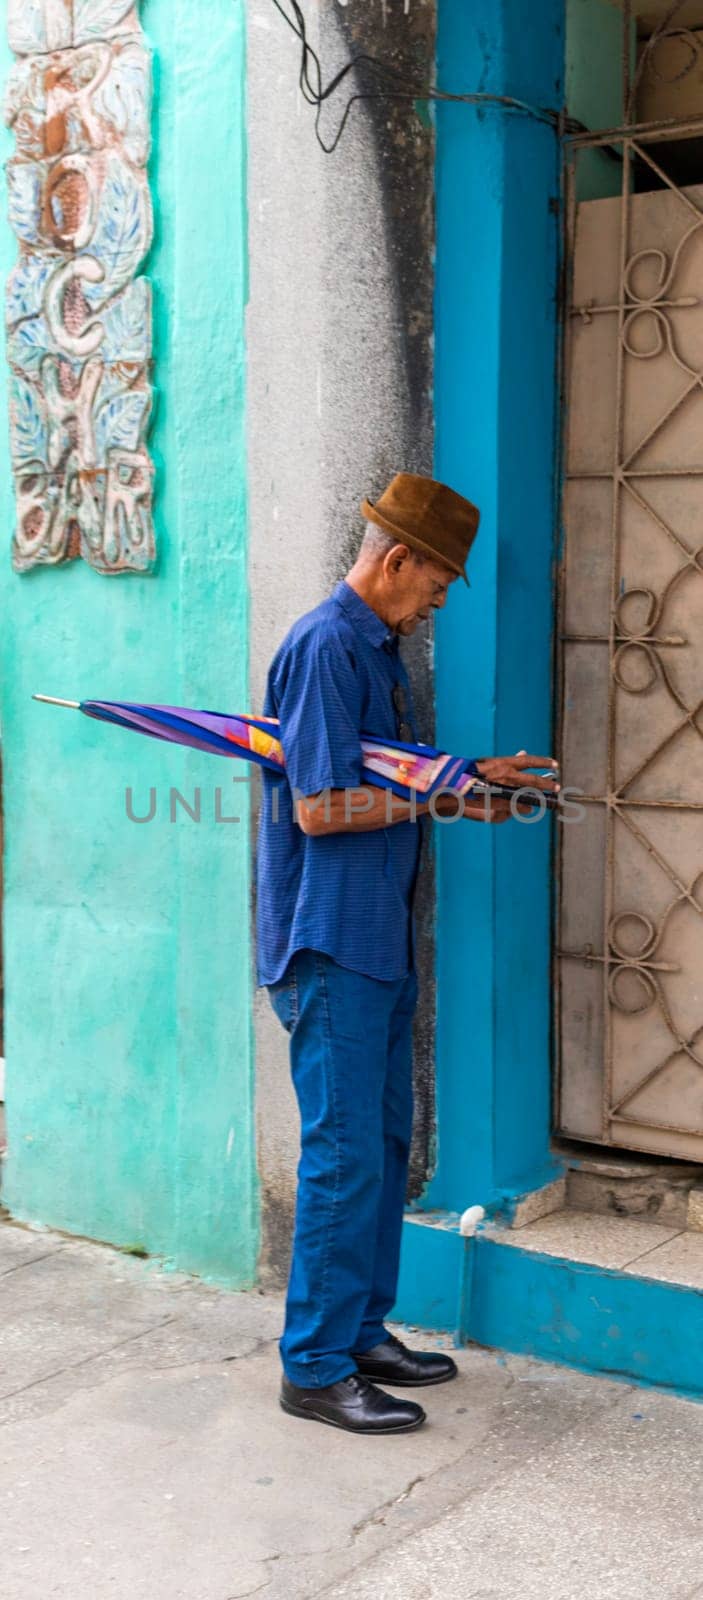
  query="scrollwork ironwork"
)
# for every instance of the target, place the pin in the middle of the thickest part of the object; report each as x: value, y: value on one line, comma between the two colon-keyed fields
x: 636, y: 974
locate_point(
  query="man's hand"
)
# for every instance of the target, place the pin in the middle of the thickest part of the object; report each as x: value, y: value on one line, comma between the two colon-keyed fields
x: 515, y: 771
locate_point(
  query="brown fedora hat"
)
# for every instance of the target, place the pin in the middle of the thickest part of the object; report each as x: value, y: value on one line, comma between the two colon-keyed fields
x: 428, y: 516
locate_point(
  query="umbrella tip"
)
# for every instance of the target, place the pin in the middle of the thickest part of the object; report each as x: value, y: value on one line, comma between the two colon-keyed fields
x: 50, y: 700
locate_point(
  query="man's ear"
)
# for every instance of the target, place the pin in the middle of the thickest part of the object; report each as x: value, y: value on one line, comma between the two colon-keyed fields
x: 397, y: 557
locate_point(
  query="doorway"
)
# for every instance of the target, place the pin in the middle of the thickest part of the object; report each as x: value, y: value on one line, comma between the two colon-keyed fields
x: 629, y: 947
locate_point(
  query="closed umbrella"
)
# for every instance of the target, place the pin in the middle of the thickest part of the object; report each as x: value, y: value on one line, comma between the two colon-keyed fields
x: 407, y: 769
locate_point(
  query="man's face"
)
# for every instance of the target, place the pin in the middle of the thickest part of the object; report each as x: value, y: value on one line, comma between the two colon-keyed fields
x: 415, y: 589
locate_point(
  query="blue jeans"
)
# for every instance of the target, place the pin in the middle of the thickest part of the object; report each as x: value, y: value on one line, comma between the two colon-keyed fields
x: 351, y: 1059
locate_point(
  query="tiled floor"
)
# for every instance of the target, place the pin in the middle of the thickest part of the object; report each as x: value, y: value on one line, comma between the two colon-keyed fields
x: 644, y: 1249
x: 679, y: 1260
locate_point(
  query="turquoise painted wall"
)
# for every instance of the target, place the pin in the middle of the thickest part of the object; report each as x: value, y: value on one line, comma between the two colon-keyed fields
x: 497, y: 196
x: 594, y: 87
x: 128, y: 1033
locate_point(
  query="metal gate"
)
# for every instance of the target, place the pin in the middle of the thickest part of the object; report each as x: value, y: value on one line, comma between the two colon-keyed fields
x: 629, y: 958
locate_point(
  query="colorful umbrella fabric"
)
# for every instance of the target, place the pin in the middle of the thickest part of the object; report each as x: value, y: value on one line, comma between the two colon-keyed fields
x: 407, y: 769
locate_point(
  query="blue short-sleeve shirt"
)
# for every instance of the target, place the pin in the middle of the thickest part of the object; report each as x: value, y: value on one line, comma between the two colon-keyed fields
x: 348, y: 895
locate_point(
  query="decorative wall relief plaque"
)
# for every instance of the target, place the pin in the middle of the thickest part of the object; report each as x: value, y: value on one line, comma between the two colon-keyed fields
x: 78, y: 316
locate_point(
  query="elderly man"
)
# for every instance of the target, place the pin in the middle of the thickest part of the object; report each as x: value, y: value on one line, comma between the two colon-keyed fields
x: 337, y: 866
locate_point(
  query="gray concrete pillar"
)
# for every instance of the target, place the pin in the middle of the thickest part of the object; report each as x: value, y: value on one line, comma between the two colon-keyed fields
x: 339, y: 398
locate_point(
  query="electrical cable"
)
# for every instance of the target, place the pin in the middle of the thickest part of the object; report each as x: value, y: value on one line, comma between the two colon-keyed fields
x: 649, y: 49
x: 315, y: 94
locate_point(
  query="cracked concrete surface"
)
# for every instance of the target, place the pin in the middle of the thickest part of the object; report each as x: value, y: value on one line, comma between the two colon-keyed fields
x: 144, y: 1455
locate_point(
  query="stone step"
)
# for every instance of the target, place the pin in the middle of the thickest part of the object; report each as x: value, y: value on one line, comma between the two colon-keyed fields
x: 631, y: 1244
x: 620, y: 1295
x: 670, y: 1193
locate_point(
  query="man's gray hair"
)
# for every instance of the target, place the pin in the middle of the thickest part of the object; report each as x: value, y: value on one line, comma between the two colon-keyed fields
x: 377, y: 543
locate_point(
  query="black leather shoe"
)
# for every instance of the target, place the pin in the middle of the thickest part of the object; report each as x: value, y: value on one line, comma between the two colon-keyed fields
x: 392, y: 1363
x: 354, y: 1404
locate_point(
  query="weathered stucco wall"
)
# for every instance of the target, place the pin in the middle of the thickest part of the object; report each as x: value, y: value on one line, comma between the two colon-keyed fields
x: 127, y: 946
x: 340, y: 376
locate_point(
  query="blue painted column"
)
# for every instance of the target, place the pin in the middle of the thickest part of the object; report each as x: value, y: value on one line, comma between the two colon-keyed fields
x: 497, y: 257
x: 496, y: 281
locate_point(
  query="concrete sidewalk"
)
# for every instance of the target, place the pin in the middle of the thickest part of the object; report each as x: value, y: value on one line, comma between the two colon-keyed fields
x: 144, y: 1456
